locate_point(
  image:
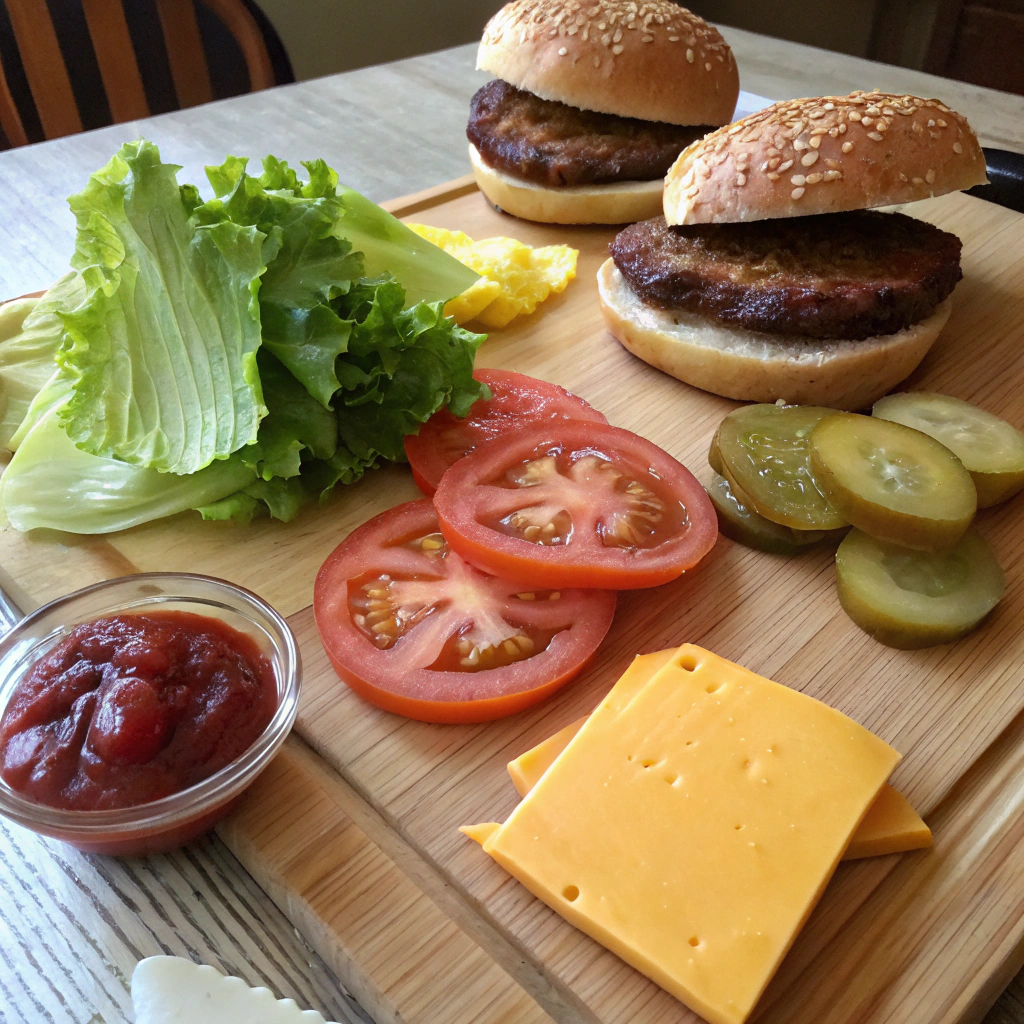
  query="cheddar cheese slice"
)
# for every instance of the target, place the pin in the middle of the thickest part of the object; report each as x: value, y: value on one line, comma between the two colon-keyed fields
x: 693, y: 832
x: 890, y: 826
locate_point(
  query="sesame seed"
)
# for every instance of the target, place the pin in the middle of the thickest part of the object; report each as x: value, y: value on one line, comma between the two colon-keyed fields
x: 873, y: 111
x: 855, y: 115
x: 833, y: 175
x: 617, y: 48
x: 597, y: 62
x: 875, y: 136
x: 903, y: 178
x: 797, y: 193
x: 707, y: 66
x: 842, y: 129
x: 741, y: 179
x: 830, y: 106
x: 941, y: 123
x: 562, y: 51
x: 618, y: 36
x: 673, y: 39
x: 847, y: 146
x: 931, y: 123
x: 815, y: 141
x: 866, y: 121
x: 809, y: 158
x: 957, y: 148
x: 774, y: 162
x: 798, y: 179
x: 773, y: 176
x: 689, y: 56
x: 930, y: 176
x: 918, y: 181
x: 786, y: 166
x: 799, y: 145
x: 813, y: 179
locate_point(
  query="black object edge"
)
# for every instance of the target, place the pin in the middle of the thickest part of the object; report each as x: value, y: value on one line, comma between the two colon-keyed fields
x: 1006, y: 179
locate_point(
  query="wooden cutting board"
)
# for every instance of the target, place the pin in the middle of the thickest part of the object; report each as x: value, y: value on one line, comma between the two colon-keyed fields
x: 922, y: 937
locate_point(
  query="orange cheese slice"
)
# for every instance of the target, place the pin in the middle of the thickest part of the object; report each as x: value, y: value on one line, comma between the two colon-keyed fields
x: 891, y: 825
x: 693, y: 831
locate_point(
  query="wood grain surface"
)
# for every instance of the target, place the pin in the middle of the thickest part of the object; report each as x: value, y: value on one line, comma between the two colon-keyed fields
x: 943, y: 709
x: 389, y: 131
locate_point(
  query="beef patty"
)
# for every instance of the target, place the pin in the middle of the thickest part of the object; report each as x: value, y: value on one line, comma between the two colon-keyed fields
x: 554, y: 144
x: 838, y: 275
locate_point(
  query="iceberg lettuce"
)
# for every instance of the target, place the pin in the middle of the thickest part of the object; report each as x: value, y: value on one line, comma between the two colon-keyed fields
x: 162, y: 353
x: 238, y: 355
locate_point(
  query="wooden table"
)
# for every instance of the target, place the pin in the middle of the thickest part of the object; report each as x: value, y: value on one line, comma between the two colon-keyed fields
x: 71, y: 926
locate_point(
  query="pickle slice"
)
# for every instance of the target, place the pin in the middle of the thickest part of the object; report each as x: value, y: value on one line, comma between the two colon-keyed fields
x: 742, y: 524
x: 991, y: 450
x: 910, y: 599
x: 892, y: 481
x: 764, y: 451
x: 715, y: 455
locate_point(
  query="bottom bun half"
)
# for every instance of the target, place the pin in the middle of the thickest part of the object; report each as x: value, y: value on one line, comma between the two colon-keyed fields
x: 756, y: 367
x: 620, y: 203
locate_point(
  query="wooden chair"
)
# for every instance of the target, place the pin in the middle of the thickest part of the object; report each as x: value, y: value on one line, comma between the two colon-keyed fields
x: 50, y: 84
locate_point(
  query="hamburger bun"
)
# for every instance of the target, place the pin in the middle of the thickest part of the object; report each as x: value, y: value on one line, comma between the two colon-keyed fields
x: 824, y: 155
x: 619, y: 203
x: 655, y: 61
x: 756, y: 367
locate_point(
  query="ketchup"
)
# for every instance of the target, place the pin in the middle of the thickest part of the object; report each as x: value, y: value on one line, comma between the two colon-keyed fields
x: 132, y: 708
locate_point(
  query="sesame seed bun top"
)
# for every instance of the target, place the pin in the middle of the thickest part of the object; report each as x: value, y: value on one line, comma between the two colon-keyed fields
x: 824, y: 155
x: 650, y: 59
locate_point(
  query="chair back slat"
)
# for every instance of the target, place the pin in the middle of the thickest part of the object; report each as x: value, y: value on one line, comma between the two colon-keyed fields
x: 185, y: 52
x: 49, y: 81
x: 44, y: 67
x: 242, y: 25
x: 10, y: 119
x: 115, y: 54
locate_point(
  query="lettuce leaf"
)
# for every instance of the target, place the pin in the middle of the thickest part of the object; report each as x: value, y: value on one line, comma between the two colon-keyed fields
x: 402, y: 366
x: 52, y: 483
x: 296, y: 422
x: 30, y: 334
x: 228, y: 355
x: 162, y: 353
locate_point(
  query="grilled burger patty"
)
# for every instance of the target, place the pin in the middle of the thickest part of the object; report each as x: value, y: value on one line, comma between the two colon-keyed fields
x: 838, y: 275
x: 554, y: 144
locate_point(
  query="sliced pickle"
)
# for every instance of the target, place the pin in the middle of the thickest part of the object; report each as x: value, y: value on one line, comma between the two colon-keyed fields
x: 764, y: 452
x: 892, y: 481
x: 991, y: 450
x: 745, y: 526
x: 910, y: 599
x: 715, y: 456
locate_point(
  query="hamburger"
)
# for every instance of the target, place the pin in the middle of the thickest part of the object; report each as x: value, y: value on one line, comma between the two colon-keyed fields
x: 592, y: 103
x: 770, y: 275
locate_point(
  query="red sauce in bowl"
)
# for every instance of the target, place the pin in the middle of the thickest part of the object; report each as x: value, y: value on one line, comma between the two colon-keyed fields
x: 132, y: 708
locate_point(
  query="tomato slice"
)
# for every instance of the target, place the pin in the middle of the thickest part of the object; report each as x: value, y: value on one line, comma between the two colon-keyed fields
x: 415, y: 630
x: 574, y: 504
x: 515, y: 400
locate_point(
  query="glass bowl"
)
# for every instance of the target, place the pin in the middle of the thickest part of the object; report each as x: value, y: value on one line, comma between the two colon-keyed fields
x: 173, y: 820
